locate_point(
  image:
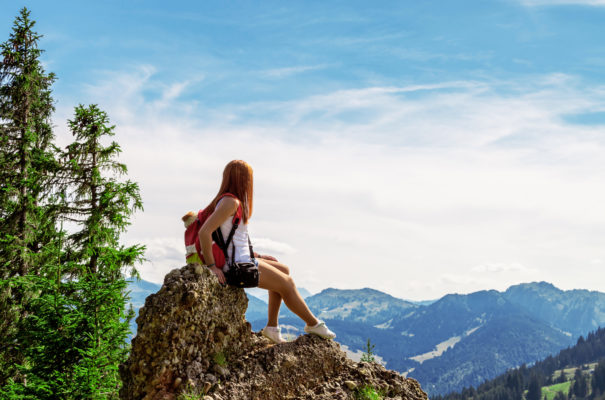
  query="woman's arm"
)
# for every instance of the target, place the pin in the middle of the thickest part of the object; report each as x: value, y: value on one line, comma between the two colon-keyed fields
x: 224, y: 210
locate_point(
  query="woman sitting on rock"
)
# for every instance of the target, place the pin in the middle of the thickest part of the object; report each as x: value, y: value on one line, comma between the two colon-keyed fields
x: 235, y: 196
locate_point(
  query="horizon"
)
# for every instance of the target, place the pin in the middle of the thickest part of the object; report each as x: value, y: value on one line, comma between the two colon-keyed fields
x: 418, y: 149
x: 312, y: 293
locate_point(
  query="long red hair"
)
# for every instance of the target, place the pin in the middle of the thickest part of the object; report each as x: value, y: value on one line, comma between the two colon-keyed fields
x: 237, y: 180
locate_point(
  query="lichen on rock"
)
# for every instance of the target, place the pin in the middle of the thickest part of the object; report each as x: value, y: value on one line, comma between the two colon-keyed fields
x: 193, y: 337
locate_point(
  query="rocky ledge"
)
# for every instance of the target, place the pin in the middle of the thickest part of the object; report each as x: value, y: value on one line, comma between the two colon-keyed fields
x: 193, y: 340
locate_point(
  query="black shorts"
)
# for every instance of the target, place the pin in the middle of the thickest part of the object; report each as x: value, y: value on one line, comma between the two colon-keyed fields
x: 242, y: 275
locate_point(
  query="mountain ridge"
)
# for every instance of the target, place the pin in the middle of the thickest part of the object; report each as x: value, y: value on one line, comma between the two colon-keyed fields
x: 527, y: 321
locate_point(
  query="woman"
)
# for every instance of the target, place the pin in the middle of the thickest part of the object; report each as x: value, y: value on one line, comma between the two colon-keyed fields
x: 272, y: 275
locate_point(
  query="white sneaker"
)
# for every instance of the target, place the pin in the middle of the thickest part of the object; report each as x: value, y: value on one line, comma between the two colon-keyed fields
x: 320, y: 330
x: 273, y: 333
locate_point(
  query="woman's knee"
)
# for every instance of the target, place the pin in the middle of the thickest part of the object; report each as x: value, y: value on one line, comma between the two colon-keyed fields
x: 287, y: 284
x: 273, y: 278
x: 281, y: 267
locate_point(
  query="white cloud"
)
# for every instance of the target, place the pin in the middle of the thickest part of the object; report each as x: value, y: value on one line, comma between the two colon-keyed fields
x: 502, y: 267
x: 272, y: 247
x: 386, y: 187
x: 289, y: 71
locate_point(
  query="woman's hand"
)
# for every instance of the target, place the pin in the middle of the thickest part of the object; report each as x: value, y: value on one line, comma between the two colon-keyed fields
x: 267, y: 257
x: 219, y: 274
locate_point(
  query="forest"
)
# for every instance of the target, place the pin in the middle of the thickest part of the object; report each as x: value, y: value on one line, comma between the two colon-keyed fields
x: 64, y: 314
x: 526, y: 382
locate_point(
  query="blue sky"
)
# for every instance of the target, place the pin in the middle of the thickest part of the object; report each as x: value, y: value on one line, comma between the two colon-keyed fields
x: 419, y: 148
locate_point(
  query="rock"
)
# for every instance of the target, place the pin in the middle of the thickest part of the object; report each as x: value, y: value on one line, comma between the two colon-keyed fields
x: 194, y: 330
x: 175, y: 332
x: 222, y: 371
x: 177, y: 383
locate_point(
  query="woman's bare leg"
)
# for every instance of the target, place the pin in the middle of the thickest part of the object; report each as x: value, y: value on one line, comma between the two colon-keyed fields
x: 273, y: 279
x: 275, y: 297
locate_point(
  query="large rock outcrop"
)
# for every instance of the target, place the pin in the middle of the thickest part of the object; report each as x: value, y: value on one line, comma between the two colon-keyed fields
x: 193, y: 338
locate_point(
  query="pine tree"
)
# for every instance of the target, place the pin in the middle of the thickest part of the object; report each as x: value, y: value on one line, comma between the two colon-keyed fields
x: 562, y: 378
x: 48, y: 335
x: 580, y: 385
x: 28, y: 166
x: 598, y: 378
x: 63, y: 314
x: 101, y: 205
x: 74, y: 337
x: 534, y: 391
x: 368, y: 354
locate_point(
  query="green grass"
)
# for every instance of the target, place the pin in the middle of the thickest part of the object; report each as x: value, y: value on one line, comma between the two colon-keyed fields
x: 220, y: 359
x: 551, y: 391
x: 368, y: 392
x: 190, y: 396
x: 569, y: 372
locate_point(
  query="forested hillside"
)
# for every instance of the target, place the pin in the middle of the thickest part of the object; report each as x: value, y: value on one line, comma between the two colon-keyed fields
x: 551, y: 370
x: 458, y: 340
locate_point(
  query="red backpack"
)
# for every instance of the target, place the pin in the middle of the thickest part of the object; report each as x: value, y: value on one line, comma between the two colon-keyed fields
x: 194, y: 223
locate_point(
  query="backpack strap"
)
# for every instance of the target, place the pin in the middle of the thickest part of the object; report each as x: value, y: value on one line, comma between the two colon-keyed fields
x: 251, y: 249
x: 217, y: 235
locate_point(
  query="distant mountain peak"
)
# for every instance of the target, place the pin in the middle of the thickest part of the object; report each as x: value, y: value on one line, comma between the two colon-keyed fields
x: 536, y: 285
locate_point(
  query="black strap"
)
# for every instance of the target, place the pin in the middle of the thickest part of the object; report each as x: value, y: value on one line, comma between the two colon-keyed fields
x: 217, y: 236
x: 233, y: 229
x: 250, y: 247
x: 233, y: 254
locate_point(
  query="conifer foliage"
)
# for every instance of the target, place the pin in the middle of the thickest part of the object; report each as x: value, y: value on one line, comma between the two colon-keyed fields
x: 28, y: 163
x: 64, y: 319
x: 514, y: 382
x: 101, y: 205
x: 598, y: 379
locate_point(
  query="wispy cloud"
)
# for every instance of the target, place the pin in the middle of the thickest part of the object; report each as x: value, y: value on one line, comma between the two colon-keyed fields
x: 289, y: 71
x: 502, y: 267
x: 271, y: 246
x: 403, y: 181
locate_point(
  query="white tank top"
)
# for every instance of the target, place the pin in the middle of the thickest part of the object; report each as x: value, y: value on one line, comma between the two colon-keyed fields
x: 240, y: 240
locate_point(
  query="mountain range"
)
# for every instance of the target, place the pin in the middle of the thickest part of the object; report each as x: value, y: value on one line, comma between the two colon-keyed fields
x: 450, y: 343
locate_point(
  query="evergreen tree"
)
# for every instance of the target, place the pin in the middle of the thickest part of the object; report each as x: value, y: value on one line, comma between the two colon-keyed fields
x: 74, y: 337
x: 598, y: 378
x: 28, y: 164
x: 368, y: 354
x: 101, y: 205
x: 49, y: 336
x: 514, y: 383
x: 63, y: 315
x: 534, y: 391
x: 580, y: 385
x: 562, y: 378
